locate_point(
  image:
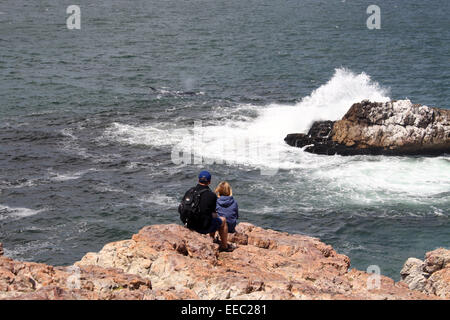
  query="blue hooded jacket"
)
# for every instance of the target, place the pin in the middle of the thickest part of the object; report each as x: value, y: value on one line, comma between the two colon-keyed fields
x: 227, y: 207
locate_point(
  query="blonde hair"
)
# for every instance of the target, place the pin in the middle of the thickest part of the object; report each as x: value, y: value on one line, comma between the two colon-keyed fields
x: 224, y: 189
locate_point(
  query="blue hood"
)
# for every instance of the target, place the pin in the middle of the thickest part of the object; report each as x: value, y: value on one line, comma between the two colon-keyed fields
x: 227, y: 207
x: 225, y: 201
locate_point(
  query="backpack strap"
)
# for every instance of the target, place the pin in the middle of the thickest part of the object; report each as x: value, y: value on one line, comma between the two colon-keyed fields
x: 201, y: 191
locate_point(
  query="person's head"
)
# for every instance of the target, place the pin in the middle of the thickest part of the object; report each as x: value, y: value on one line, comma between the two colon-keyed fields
x: 224, y: 189
x: 204, y: 177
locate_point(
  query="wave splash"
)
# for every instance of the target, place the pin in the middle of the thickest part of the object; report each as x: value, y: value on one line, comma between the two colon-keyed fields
x: 328, y: 102
x: 257, y: 143
x: 17, y: 213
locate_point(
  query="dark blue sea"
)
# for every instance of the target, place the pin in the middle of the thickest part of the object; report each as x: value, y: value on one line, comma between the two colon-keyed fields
x: 103, y: 129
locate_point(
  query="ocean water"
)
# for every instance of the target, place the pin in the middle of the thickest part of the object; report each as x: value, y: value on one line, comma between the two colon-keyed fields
x: 95, y: 122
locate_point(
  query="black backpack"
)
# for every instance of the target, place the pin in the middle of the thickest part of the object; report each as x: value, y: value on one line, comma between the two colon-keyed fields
x: 189, y: 209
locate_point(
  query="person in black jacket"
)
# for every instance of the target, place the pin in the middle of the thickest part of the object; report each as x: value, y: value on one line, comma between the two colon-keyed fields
x: 207, y: 208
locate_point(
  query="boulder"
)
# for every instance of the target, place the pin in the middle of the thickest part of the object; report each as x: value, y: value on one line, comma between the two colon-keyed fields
x: 431, y: 276
x: 391, y: 128
x: 412, y: 273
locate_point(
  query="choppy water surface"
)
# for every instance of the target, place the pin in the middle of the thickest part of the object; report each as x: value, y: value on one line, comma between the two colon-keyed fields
x: 90, y: 120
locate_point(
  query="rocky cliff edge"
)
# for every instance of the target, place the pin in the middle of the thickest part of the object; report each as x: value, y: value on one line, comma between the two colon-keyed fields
x: 171, y: 262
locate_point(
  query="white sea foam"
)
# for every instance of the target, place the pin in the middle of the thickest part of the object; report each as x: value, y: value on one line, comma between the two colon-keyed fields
x: 55, y: 176
x: 10, y: 212
x: 29, y: 248
x: 106, y: 188
x: 71, y: 144
x: 144, y: 135
x: 258, y: 141
x: 160, y: 200
x: 18, y: 184
x: 388, y: 179
x: 362, y: 179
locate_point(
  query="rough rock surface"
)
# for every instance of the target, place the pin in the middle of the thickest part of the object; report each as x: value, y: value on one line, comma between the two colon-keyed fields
x: 431, y: 276
x: 172, y: 262
x: 36, y: 281
x: 319, y: 141
x: 265, y: 265
x: 391, y: 128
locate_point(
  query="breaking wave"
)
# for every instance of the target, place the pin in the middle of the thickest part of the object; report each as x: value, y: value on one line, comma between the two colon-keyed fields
x: 256, y: 142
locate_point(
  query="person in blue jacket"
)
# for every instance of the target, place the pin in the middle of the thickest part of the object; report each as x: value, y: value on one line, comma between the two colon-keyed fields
x: 226, y: 206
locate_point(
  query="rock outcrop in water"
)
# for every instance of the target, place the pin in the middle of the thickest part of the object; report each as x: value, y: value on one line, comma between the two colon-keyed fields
x: 431, y: 276
x: 391, y: 128
x: 171, y: 262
